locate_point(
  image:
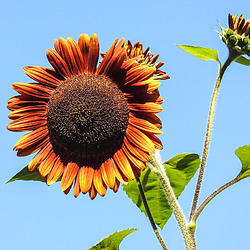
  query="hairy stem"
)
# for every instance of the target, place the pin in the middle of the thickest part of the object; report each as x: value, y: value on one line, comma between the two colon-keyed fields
x: 156, y: 231
x: 159, y: 170
x: 232, y: 56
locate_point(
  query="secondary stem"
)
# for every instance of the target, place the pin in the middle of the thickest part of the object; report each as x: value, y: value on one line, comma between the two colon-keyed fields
x: 232, y: 56
x: 202, y: 206
x: 156, y: 231
x: 158, y: 169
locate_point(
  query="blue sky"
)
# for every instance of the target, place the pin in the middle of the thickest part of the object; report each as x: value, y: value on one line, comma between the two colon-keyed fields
x: 34, y: 216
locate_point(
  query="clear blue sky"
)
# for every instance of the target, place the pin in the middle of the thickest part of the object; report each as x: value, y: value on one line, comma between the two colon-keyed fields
x: 34, y: 216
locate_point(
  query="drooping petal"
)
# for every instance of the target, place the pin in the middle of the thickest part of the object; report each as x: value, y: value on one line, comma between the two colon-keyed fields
x: 76, y: 189
x: 138, y: 163
x: 108, y: 174
x: 92, y: 192
x: 137, y: 152
x: 56, y: 172
x: 123, y: 164
x: 40, y: 156
x: 146, y: 107
x: 47, y: 164
x: 139, y: 139
x: 144, y: 125
x: 118, y: 173
x: 69, y: 175
x: 32, y: 141
x: 98, y: 183
x: 86, y: 178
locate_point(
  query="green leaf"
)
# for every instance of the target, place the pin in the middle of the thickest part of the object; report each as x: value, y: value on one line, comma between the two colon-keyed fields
x: 200, y: 52
x: 180, y: 169
x: 112, y: 241
x: 244, y: 155
x: 243, y: 60
x: 27, y: 175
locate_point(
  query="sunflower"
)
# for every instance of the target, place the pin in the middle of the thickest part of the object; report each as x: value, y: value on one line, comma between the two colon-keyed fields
x: 93, y: 127
x: 237, y: 35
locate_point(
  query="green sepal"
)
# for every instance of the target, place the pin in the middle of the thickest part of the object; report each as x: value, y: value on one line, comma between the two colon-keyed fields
x: 243, y: 60
x: 112, y: 241
x: 200, y: 52
x: 180, y: 169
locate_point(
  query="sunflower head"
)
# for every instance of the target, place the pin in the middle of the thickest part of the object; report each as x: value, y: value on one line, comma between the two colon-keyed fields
x: 91, y: 126
x: 237, y: 35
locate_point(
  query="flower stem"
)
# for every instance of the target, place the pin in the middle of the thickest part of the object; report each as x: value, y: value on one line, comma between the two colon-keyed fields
x: 202, y: 206
x: 156, y: 231
x: 159, y: 170
x: 232, y: 56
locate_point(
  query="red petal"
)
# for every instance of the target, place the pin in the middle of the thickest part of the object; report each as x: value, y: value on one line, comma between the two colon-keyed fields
x: 93, y: 54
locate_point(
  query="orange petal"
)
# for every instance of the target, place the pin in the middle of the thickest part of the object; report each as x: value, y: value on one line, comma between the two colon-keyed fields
x: 144, y: 125
x: 139, y: 139
x: 138, y: 163
x: 118, y: 173
x: 77, y: 54
x: 150, y: 117
x: 56, y: 172
x: 69, y: 175
x: 123, y: 164
x: 68, y: 189
x: 113, y: 67
x: 58, y: 63
x: 47, y: 164
x: 92, y: 192
x: 26, y: 124
x: 153, y: 85
x: 83, y: 43
x: 39, y: 110
x: 108, y: 174
x: 40, y: 156
x: 93, y: 54
x: 86, y: 178
x: 43, y: 75
x: 106, y: 59
x: 150, y: 107
x: 138, y: 153
x: 33, y: 90
x: 76, y: 189
x: 68, y: 56
x: 116, y: 186
x: 98, y: 183
x: 20, y: 101
x: 32, y: 141
x: 139, y: 73
x: 156, y: 141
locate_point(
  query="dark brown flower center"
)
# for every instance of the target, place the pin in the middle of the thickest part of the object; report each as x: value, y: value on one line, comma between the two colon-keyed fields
x: 88, y: 114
